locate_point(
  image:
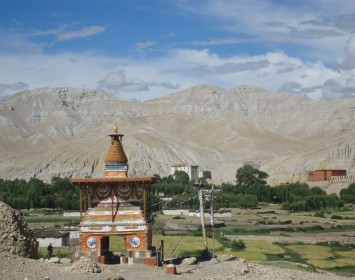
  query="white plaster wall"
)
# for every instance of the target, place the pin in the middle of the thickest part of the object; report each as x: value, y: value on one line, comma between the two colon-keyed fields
x: 56, y: 242
x: 176, y: 212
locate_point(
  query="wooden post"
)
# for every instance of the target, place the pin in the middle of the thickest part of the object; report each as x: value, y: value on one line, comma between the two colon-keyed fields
x: 81, y: 209
x: 149, y: 203
x: 84, y: 199
x: 112, y: 202
x: 145, y: 203
x: 89, y: 202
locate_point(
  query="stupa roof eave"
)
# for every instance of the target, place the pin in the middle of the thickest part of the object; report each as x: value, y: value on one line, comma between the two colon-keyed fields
x: 108, y: 180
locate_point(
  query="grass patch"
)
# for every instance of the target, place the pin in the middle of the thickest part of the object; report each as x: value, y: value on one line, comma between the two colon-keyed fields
x: 291, y: 266
x: 316, y: 228
x: 340, y: 228
x: 313, y: 252
x: 347, y: 254
x: 258, y: 250
x: 347, y: 271
x: 54, y: 220
x: 275, y: 257
x: 336, y: 247
x: 240, y: 231
x: 62, y: 252
x: 174, y: 246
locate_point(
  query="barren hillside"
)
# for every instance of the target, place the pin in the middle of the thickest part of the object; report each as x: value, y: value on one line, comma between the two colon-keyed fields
x: 50, y: 132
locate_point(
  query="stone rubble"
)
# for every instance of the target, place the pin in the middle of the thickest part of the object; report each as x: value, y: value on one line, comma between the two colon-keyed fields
x: 15, y: 235
x: 86, y: 265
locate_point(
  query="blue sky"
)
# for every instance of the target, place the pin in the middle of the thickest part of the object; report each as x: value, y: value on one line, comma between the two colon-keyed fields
x: 142, y: 49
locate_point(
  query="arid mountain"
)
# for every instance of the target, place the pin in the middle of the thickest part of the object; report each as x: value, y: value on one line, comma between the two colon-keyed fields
x: 63, y: 132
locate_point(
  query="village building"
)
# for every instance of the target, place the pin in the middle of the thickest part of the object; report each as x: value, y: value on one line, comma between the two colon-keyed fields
x: 191, y: 170
x: 116, y: 205
x: 57, y: 238
x: 205, y: 174
x: 325, y: 174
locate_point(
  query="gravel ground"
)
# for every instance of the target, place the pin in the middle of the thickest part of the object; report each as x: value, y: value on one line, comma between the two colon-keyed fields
x: 15, y: 267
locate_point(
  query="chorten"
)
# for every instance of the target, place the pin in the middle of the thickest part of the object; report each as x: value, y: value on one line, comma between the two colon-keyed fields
x: 113, y: 207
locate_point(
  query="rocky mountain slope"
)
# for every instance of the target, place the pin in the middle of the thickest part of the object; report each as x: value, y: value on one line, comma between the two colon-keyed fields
x: 63, y: 132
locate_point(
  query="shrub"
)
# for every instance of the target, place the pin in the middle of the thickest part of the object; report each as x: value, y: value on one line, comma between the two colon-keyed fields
x: 287, y: 222
x: 178, y: 217
x: 238, y: 245
x: 319, y: 214
x: 336, y: 217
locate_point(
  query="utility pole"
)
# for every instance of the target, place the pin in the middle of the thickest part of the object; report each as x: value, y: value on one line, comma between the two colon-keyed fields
x: 212, y: 221
x: 199, y: 187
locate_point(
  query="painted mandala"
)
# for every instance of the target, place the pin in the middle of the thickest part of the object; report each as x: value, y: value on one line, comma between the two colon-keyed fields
x: 91, y: 242
x: 135, y: 241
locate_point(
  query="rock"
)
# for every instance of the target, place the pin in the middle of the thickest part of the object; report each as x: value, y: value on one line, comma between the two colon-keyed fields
x: 66, y: 260
x: 224, y: 258
x: 54, y: 260
x: 189, y: 261
x: 244, y: 270
x: 171, y: 269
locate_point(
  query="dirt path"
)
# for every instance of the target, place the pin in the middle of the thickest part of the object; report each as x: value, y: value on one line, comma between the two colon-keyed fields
x: 13, y: 267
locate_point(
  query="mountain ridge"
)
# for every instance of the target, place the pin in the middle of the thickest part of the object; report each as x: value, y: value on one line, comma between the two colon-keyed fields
x: 50, y: 132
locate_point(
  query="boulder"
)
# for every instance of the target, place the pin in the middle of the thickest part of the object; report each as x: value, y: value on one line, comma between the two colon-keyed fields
x: 54, y: 260
x: 189, y: 261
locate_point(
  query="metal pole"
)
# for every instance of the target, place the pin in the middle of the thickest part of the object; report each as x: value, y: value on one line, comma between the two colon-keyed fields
x: 212, y: 222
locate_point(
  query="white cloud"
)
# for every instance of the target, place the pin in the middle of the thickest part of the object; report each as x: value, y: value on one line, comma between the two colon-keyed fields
x: 224, y: 41
x: 142, y: 79
x: 63, y: 33
x: 349, y: 61
x: 332, y: 89
x: 144, y: 45
x: 7, y: 89
x: 12, y: 42
x: 117, y: 81
x: 319, y: 28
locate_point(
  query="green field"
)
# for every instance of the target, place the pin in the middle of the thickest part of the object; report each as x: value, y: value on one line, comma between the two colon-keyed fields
x: 335, y: 257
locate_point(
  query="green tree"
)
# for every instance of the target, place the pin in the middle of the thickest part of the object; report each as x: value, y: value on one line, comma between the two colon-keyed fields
x: 181, y: 177
x: 249, y: 175
x: 348, y: 194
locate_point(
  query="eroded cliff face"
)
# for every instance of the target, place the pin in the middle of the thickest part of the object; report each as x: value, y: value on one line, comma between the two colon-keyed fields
x: 63, y: 132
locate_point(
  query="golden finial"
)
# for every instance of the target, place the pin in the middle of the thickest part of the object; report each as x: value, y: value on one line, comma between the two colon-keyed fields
x: 115, y: 130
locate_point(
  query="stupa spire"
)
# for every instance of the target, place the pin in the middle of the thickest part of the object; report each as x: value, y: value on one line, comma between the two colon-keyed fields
x: 116, y: 163
x: 115, y: 130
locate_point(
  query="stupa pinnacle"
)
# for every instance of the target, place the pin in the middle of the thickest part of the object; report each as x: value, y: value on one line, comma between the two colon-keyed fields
x: 116, y: 163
